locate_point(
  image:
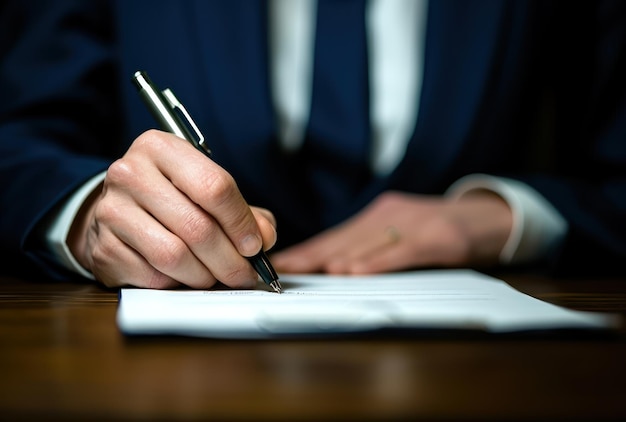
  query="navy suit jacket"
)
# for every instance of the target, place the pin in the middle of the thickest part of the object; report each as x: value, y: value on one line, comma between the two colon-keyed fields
x: 523, y: 89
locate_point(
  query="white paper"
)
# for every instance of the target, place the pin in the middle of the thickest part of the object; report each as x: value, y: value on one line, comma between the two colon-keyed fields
x: 323, y: 304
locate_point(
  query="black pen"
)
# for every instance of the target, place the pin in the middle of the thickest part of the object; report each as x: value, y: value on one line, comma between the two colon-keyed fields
x: 173, y: 117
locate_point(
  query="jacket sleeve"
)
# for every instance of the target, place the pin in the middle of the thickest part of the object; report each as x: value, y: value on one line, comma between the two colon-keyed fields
x: 57, y: 116
x: 587, y: 183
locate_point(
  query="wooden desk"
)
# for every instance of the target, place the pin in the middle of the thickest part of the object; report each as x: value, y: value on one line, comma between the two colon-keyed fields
x: 62, y: 357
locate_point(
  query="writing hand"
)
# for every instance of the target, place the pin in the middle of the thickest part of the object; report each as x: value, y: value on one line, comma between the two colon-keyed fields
x: 166, y: 215
x: 401, y: 231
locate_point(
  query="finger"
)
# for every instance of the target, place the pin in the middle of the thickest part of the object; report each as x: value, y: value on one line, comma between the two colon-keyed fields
x: 202, y: 234
x: 311, y: 255
x: 163, y: 250
x: 115, y: 264
x: 177, y: 211
x: 363, y: 241
x: 267, y: 225
x: 265, y: 213
x: 209, y: 186
x: 329, y: 250
x: 362, y: 247
x: 428, y: 247
x: 391, y: 258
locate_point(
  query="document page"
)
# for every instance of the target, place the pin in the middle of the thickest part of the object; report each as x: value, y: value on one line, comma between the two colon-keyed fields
x: 324, y: 304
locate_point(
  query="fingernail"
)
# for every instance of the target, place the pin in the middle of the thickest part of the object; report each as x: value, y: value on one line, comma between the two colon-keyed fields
x: 250, y: 245
x: 275, y: 237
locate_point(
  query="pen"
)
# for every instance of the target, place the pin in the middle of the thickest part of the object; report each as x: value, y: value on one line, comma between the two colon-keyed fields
x: 173, y: 117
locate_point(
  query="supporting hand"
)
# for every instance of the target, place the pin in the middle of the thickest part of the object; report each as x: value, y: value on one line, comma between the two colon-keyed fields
x: 400, y: 231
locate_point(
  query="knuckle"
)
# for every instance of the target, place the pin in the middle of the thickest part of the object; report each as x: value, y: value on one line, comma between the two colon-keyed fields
x: 219, y: 186
x: 118, y: 172
x: 151, y: 139
x: 151, y: 143
x: 197, y: 228
x: 169, y: 255
x: 108, y: 213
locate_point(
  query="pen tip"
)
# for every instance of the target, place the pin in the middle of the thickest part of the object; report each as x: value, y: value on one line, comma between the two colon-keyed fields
x: 276, y: 286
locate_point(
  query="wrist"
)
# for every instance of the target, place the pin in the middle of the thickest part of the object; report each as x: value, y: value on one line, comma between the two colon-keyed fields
x: 77, y: 235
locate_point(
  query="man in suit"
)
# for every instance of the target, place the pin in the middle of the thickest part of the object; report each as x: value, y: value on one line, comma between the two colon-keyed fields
x: 374, y: 136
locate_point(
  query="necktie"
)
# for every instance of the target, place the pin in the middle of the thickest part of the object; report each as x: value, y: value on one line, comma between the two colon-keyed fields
x: 336, y: 147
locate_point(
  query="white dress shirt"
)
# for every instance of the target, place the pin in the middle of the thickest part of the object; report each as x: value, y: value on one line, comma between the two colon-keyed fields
x: 396, y: 32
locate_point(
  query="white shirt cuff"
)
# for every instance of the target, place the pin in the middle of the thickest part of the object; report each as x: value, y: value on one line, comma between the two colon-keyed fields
x: 537, y: 226
x: 56, y: 235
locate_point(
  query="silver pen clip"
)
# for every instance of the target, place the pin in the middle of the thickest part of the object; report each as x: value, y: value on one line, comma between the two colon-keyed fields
x: 178, y: 107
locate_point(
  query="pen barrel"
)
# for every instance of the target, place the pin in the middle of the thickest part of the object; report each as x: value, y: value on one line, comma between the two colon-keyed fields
x: 158, y: 106
x: 261, y: 263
